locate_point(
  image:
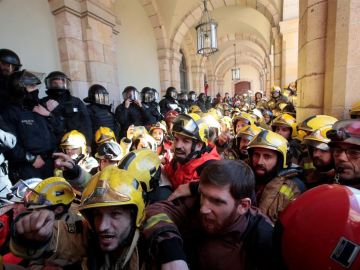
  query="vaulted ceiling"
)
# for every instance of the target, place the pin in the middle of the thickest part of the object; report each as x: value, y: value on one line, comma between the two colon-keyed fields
x: 247, y: 23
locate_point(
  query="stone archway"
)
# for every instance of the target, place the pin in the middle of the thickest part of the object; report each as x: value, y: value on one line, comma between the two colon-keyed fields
x: 264, y: 7
x: 168, y: 48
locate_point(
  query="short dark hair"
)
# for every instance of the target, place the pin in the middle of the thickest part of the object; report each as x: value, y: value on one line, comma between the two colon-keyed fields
x: 235, y: 173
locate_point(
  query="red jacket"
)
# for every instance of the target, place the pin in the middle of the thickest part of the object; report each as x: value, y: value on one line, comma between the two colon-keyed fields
x: 179, y: 174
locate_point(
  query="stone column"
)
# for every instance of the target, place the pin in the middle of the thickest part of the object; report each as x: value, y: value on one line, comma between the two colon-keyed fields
x: 197, y: 74
x: 270, y: 70
x: 290, y: 33
x: 201, y: 80
x: 175, y: 61
x: 220, y: 87
x: 85, y: 32
x: 164, y: 70
x: 211, y: 80
x: 311, y: 66
x: 262, y: 79
x: 169, y: 62
x: 277, y: 55
x: 342, y: 78
x: 268, y: 82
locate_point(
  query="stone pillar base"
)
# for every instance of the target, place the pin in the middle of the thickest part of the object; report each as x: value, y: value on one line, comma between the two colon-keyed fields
x: 303, y: 113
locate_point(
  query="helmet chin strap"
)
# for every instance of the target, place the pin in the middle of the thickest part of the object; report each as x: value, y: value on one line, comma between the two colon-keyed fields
x: 132, y: 239
x: 194, y: 154
x: 56, y: 93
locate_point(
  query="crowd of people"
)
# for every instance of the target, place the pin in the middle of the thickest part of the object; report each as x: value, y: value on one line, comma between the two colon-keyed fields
x: 191, y: 182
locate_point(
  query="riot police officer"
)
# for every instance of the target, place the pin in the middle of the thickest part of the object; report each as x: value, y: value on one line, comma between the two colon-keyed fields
x: 170, y: 102
x: 192, y: 98
x: 184, y: 101
x: 100, y: 110
x: 70, y: 110
x: 9, y: 62
x: 33, y: 126
x: 148, y: 98
x: 131, y: 111
x: 201, y: 102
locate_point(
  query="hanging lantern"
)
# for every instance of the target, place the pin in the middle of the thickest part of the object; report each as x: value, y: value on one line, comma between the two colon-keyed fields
x: 206, y: 34
x: 235, y: 72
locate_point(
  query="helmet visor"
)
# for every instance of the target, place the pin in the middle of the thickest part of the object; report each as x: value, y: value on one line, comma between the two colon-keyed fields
x: 186, y: 126
x: 173, y: 94
x: 102, y: 98
x: 343, y: 135
x: 20, y: 188
x: 105, y: 194
x: 149, y: 96
x: 184, y: 97
x: 109, y: 151
x: 34, y: 198
x: 59, y: 82
x: 131, y: 94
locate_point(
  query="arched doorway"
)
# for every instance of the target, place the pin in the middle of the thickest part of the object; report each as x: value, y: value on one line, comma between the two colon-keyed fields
x: 242, y: 87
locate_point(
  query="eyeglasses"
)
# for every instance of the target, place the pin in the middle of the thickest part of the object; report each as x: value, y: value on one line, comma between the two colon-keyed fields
x: 350, y: 153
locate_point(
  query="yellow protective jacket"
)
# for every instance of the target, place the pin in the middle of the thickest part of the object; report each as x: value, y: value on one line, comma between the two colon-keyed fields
x: 279, y: 192
x: 70, y: 244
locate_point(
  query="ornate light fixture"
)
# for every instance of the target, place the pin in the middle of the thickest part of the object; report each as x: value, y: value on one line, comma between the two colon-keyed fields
x: 206, y: 34
x: 235, y: 72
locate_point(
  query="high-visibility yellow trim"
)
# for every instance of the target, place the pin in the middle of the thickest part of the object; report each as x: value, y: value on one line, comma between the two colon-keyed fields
x: 308, y: 166
x: 287, y: 191
x: 156, y: 219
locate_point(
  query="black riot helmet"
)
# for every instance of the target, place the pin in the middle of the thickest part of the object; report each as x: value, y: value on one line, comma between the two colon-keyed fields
x: 9, y: 57
x: 171, y: 92
x: 202, y: 97
x: 57, y: 82
x: 97, y: 94
x: 18, y: 81
x: 183, y: 96
x: 130, y: 92
x: 149, y: 94
x: 192, y: 95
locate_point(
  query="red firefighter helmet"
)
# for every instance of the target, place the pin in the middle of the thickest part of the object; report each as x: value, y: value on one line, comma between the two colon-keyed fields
x: 321, y: 229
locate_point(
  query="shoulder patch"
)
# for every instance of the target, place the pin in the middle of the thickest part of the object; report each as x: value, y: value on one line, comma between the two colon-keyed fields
x: 71, y: 227
x: 75, y: 227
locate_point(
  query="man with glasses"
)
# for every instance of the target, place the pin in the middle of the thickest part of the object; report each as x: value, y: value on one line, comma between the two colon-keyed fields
x: 345, y: 146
